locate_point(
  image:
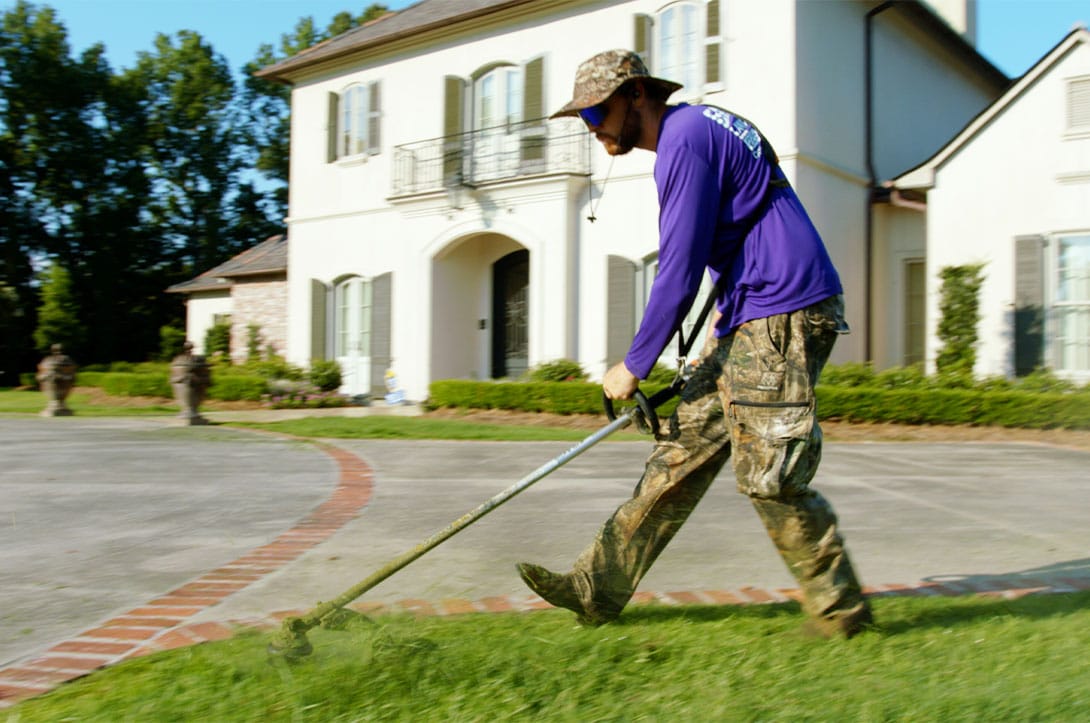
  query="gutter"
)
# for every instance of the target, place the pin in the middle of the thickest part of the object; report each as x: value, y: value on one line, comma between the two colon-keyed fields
x: 872, y: 176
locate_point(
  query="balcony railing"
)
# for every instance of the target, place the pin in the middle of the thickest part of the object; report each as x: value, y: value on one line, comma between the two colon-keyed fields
x: 495, y: 154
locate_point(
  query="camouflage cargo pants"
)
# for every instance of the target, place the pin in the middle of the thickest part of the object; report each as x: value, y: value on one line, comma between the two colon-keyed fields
x: 751, y: 400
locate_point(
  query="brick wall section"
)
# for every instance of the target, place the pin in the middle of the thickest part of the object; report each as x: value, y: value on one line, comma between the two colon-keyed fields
x: 262, y: 301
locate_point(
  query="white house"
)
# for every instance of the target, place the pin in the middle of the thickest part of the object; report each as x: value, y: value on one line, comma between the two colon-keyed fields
x: 441, y: 226
x: 1012, y: 191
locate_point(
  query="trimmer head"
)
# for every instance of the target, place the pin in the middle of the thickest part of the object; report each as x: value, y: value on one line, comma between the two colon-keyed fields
x: 291, y: 642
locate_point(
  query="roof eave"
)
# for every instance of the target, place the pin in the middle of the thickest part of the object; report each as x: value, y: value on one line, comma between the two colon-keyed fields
x: 285, y: 69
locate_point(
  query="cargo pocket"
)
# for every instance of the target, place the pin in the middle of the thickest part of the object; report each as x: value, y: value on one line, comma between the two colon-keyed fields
x: 774, y: 450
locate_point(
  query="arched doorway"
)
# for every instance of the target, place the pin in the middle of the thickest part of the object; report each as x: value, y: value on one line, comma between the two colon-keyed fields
x: 510, y: 314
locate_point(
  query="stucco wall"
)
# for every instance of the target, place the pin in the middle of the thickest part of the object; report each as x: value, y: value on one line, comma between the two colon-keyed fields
x: 200, y: 312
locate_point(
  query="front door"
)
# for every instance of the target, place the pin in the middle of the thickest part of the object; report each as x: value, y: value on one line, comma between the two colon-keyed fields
x: 352, y: 332
x: 510, y: 314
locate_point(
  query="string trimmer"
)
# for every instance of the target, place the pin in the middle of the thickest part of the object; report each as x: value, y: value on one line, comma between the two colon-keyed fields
x: 291, y: 641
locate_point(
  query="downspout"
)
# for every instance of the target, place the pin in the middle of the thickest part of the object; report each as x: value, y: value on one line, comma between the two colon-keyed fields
x: 872, y: 176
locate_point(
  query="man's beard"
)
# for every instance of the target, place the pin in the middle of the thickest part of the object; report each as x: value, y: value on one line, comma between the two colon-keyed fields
x: 631, y: 130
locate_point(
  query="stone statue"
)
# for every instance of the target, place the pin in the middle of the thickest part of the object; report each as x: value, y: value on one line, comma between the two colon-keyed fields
x: 190, y: 378
x: 56, y: 377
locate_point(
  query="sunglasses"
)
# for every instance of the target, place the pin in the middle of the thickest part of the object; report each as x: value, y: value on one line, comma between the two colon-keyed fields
x: 595, y: 115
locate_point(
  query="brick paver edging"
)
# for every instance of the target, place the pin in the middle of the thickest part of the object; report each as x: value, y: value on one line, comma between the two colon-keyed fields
x: 161, y: 623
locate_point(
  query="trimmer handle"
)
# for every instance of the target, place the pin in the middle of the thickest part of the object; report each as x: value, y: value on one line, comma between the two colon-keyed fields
x: 644, y: 416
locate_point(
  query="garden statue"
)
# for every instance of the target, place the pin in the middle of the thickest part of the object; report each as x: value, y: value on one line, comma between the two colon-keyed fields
x: 190, y: 377
x: 56, y: 376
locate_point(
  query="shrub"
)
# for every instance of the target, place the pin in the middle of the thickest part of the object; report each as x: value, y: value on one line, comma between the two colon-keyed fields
x: 561, y: 370
x: 959, y: 309
x: 131, y: 384
x: 1043, y: 380
x: 910, y: 377
x: 850, y: 374
x: 235, y: 387
x: 171, y: 340
x: 217, y: 340
x: 325, y: 374
x: 273, y: 367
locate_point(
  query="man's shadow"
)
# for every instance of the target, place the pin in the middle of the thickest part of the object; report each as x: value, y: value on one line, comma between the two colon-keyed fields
x: 1011, y: 594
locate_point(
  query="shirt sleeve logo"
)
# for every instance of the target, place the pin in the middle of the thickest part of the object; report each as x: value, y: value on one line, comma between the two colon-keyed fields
x: 742, y: 130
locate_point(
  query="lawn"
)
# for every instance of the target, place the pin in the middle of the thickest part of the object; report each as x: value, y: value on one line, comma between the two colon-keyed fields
x: 931, y: 659
x: 19, y: 401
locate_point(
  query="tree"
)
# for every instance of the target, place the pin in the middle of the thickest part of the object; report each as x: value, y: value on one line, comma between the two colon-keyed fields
x: 58, y: 315
x: 268, y: 104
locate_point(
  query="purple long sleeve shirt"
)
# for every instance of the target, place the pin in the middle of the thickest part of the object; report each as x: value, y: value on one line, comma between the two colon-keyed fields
x: 712, y: 175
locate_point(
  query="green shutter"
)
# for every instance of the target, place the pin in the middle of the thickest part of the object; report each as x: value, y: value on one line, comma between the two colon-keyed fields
x: 333, y: 102
x: 374, y: 119
x: 620, y: 308
x: 1029, y: 303
x: 381, y: 330
x: 713, y: 72
x: 453, y: 126
x: 532, y: 142
x: 318, y: 294
x: 533, y: 101
x: 641, y: 41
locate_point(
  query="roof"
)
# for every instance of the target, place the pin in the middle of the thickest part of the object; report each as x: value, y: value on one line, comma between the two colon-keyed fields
x: 268, y: 257
x: 427, y: 15
x: 923, y: 175
x: 413, y: 20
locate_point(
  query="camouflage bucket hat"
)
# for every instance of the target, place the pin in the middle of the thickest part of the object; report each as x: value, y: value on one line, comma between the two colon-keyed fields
x: 598, y: 78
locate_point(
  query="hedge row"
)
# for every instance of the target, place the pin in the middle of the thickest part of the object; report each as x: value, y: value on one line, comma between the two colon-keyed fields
x: 227, y: 387
x: 851, y: 404
x: 553, y: 397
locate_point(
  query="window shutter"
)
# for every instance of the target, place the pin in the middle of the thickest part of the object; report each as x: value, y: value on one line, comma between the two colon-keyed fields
x: 620, y: 308
x: 713, y: 43
x: 318, y: 294
x: 1078, y: 104
x: 374, y: 119
x: 1029, y: 303
x: 532, y: 143
x: 642, y: 38
x: 381, y: 328
x: 334, y: 102
x: 533, y: 105
x: 453, y: 125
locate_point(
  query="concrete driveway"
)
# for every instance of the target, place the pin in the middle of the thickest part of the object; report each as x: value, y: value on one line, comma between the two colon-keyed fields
x: 101, y: 521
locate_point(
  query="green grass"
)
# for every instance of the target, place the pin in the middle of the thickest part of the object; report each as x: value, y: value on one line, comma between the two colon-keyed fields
x: 18, y: 401
x: 932, y: 659
x: 382, y: 427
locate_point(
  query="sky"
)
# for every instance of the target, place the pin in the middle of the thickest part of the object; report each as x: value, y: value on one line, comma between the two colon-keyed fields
x: 1013, y: 34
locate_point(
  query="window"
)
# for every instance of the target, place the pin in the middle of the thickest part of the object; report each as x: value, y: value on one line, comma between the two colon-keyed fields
x: 352, y: 325
x: 354, y: 121
x: 1078, y: 105
x: 1071, y: 308
x: 915, y: 271
x: 497, y: 97
x: 493, y: 123
x: 682, y: 42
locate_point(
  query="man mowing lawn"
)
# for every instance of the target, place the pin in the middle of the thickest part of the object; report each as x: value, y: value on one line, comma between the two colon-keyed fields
x: 724, y: 206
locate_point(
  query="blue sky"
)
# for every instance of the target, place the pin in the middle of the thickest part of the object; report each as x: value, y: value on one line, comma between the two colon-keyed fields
x: 1013, y: 34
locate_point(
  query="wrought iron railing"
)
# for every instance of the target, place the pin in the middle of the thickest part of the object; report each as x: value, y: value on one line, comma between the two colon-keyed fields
x: 493, y: 154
